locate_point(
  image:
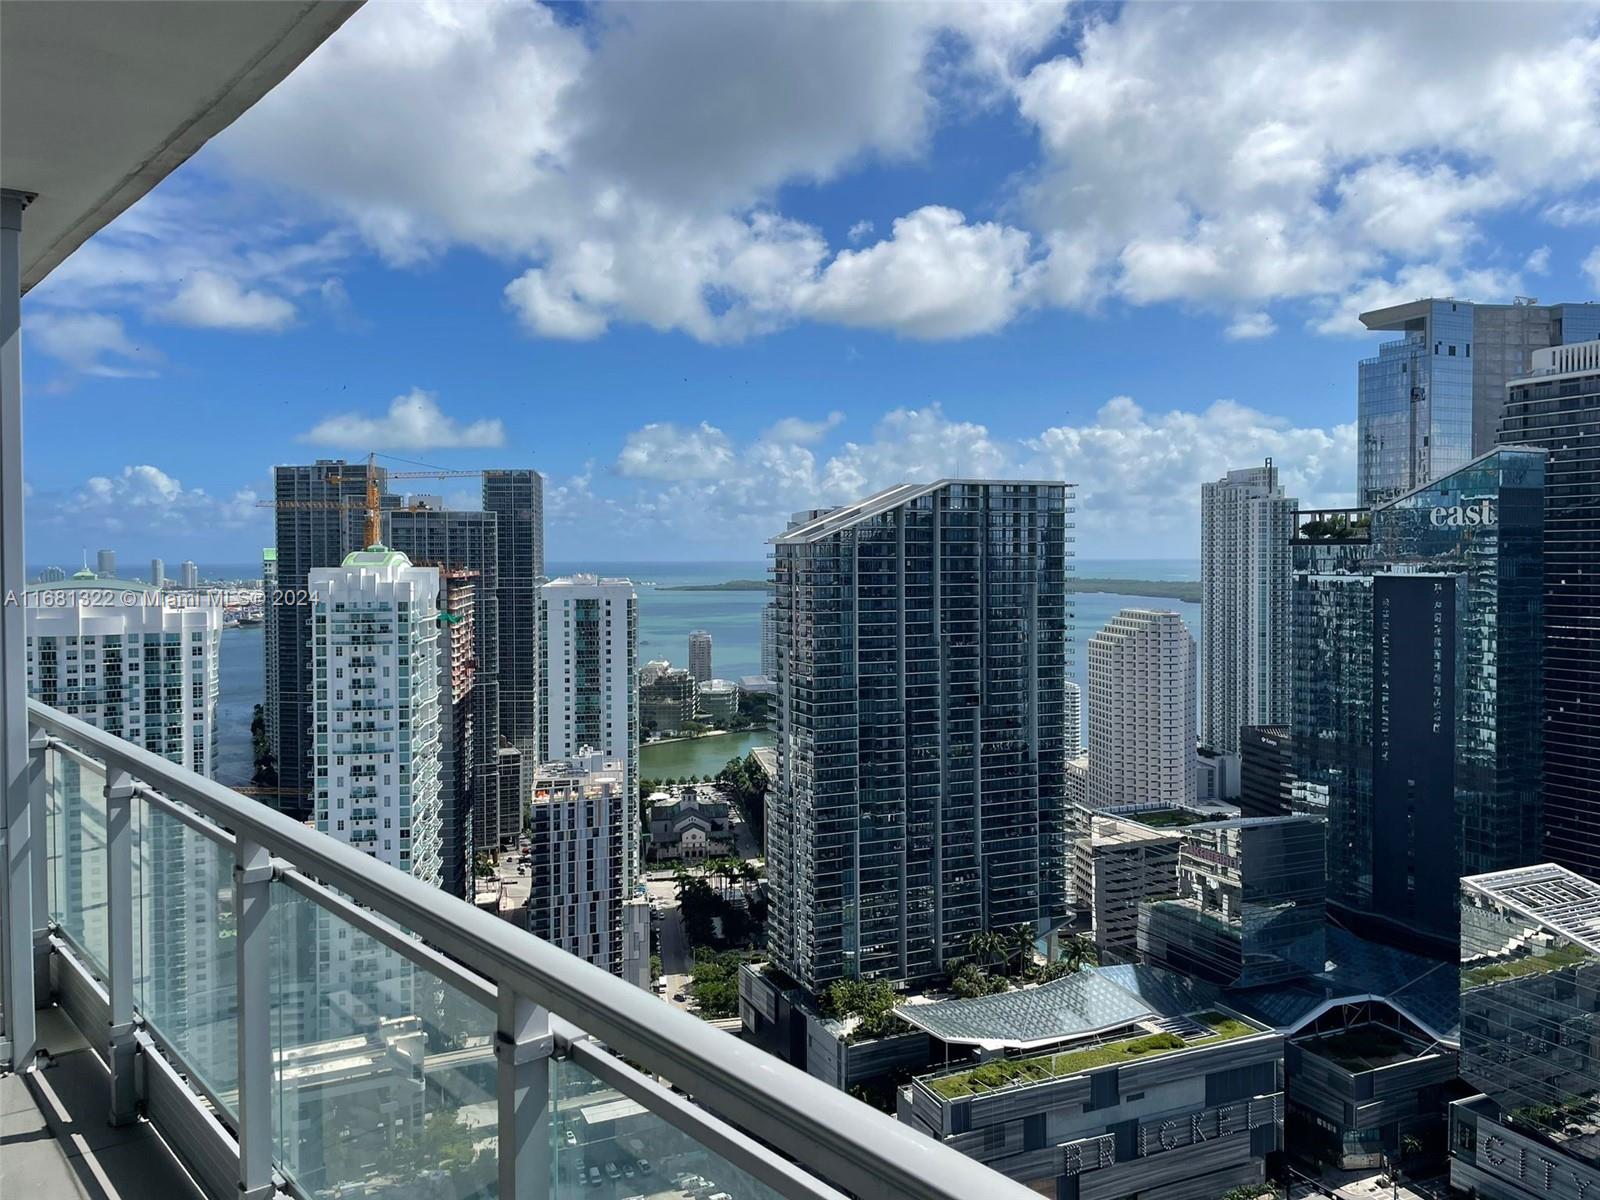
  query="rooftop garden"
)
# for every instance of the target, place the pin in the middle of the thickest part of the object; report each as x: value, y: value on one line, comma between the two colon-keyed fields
x: 1170, y: 818
x: 1037, y: 1068
x: 1567, y: 955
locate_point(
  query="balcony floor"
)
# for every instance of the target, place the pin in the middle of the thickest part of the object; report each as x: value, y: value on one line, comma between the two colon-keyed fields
x: 54, y: 1140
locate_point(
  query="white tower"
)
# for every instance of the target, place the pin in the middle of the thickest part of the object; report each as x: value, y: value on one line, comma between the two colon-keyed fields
x: 1141, y: 710
x: 1246, y: 576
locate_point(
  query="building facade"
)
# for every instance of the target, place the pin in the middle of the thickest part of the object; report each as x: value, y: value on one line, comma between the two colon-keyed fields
x: 919, y: 793
x: 188, y: 575
x: 460, y: 758
x: 1071, y: 719
x: 700, y: 655
x: 1246, y: 524
x: 106, y: 564
x: 668, y: 701
x: 769, y: 640
x: 1117, y: 864
x: 376, y: 752
x: 1251, y: 903
x: 158, y: 574
x: 1266, y: 769
x: 516, y: 498
x: 1431, y: 401
x: 1530, y: 996
x: 468, y: 542
x: 1417, y: 698
x: 589, y: 665
x: 1558, y: 407
x: 1141, y: 710
x: 320, y: 519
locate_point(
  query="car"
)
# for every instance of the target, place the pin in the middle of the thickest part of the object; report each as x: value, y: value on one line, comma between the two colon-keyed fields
x: 627, y: 1169
x: 569, y: 1137
x: 594, y: 1176
x: 679, y: 997
x: 612, y: 1172
x: 644, y: 1166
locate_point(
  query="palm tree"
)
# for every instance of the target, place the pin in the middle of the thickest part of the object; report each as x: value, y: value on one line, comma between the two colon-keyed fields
x: 1020, y: 941
x: 986, y: 946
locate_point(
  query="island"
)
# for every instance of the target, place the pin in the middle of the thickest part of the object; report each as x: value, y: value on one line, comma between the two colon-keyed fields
x: 1187, y: 590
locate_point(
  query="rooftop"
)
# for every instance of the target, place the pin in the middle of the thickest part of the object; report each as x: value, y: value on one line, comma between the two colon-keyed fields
x: 1560, y: 900
x: 878, y: 503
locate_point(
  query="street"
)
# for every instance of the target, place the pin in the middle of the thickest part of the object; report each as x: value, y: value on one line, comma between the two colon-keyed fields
x: 675, y: 959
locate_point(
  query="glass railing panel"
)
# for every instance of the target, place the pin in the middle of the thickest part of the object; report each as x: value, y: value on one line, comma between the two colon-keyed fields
x: 75, y: 806
x: 611, y: 1147
x: 185, y: 976
x: 383, y: 1075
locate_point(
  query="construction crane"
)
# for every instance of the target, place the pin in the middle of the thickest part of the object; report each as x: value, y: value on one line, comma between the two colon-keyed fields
x: 372, y: 506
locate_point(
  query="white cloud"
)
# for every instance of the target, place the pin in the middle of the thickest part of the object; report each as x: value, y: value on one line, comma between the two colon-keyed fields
x: 801, y: 431
x: 1134, y: 469
x: 1567, y: 213
x: 663, y: 450
x: 212, y: 301
x: 1339, y: 316
x: 859, y: 232
x: 1538, y: 263
x: 90, y: 343
x: 1250, y: 325
x: 936, y: 277
x: 1591, y: 267
x: 414, y: 422
x: 141, y: 503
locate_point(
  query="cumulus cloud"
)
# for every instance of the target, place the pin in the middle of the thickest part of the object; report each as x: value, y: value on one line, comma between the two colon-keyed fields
x: 1538, y: 262
x: 1134, y: 469
x: 208, y: 300
x: 1250, y: 325
x: 662, y: 450
x: 90, y: 343
x: 800, y: 431
x: 1591, y: 267
x: 414, y: 422
x: 141, y: 503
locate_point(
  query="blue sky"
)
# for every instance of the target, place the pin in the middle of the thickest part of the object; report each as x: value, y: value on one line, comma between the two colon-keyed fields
x: 706, y: 264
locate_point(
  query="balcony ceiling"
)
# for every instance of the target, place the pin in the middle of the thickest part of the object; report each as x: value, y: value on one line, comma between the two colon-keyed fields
x: 101, y: 99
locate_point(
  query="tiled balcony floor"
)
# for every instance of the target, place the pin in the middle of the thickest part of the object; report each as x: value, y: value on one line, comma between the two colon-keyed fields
x: 54, y: 1140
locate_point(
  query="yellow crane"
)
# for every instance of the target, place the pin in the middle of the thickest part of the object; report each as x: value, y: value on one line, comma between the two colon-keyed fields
x: 373, y: 504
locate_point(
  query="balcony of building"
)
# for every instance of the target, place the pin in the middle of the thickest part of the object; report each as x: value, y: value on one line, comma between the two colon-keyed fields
x: 202, y: 997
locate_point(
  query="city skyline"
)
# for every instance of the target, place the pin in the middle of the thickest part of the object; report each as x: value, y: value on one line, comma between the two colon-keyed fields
x: 937, y: 269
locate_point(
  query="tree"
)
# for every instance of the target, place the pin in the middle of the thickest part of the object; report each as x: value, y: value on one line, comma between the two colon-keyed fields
x: 987, y: 946
x: 1078, y: 951
x: 265, y: 774
x: 1021, y: 943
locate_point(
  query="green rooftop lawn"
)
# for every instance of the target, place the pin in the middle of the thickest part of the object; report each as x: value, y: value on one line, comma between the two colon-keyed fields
x: 1002, y: 1072
x: 1535, y: 964
x: 1168, y: 818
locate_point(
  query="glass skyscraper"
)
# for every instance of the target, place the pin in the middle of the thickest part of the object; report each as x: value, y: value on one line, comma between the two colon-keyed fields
x: 922, y: 637
x: 1430, y: 401
x: 1558, y: 407
x: 1530, y: 1000
x: 1417, y: 719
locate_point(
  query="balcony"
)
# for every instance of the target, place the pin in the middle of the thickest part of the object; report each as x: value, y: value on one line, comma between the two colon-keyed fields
x: 359, y: 1033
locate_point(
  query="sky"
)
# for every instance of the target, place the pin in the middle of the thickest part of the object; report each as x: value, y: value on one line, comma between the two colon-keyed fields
x: 706, y: 264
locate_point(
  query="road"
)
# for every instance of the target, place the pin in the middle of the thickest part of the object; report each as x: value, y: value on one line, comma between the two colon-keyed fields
x: 675, y: 958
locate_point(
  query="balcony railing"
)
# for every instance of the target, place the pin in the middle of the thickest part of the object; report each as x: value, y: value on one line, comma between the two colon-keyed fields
x: 292, y: 1014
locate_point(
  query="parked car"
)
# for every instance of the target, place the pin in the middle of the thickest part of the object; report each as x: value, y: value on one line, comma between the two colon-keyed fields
x: 570, y: 1138
x: 612, y: 1172
x: 594, y: 1176
x: 644, y: 1166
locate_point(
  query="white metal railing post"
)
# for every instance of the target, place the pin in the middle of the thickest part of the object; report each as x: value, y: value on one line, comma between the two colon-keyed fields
x: 252, y: 908
x: 18, y: 826
x: 523, y: 1044
x: 121, y: 1047
x: 39, y: 859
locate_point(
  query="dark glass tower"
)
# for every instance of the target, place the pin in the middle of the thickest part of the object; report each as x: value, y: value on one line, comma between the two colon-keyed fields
x: 516, y: 497
x: 1417, y: 697
x: 1558, y: 408
x: 920, y: 793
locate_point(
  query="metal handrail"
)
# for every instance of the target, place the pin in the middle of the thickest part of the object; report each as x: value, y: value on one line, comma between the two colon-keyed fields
x: 846, y: 1142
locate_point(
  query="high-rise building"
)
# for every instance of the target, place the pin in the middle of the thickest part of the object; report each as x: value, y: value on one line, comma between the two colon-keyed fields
x: 146, y: 671
x: 1417, y: 719
x: 320, y: 519
x: 1246, y: 523
x: 1558, y: 407
x: 1071, y: 719
x: 919, y: 791
x: 52, y: 575
x: 1530, y: 972
x: 1431, y: 401
x: 1141, y: 710
x: 375, y: 705
x: 1266, y: 770
x: 106, y: 564
x: 668, y: 701
x: 468, y: 542
x: 579, y: 816
x: 516, y: 498
x: 189, y: 576
x: 270, y: 615
x: 589, y: 629
x: 460, y: 758
x: 158, y: 574
x: 700, y: 655
x: 769, y: 640
x: 1250, y: 904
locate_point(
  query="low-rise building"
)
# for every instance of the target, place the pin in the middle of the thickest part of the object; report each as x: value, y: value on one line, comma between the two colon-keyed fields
x: 1115, y: 863
x: 1112, y: 1082
x: 668, y: 700
x: 718, y: 700
x: 694, y: 824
